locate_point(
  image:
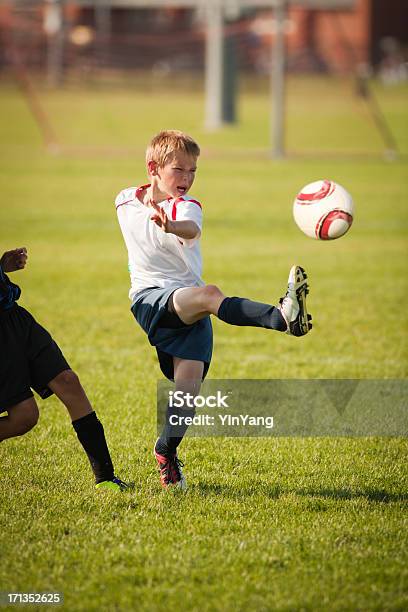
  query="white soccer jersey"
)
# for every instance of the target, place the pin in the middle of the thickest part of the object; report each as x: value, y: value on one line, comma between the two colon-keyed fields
x: 157, y: 259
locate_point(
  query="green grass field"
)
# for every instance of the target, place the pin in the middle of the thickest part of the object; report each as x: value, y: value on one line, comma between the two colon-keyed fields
x: 267, y: 524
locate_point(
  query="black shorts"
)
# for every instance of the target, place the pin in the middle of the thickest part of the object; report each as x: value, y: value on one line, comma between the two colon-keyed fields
x: 166, y: 332
x: 29, y: 358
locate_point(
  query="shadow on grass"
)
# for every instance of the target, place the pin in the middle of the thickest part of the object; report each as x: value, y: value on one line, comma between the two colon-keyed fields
x: 275, y: 492
x: 237, y: 492
x: 375, y: 495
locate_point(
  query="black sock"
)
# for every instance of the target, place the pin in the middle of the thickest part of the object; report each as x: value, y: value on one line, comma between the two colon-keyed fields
x: 92, y: 437
x: 172, y: 435
x: 240, y: 311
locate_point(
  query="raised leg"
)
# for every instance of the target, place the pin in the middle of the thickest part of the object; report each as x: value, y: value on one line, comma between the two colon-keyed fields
x: 193, y: 303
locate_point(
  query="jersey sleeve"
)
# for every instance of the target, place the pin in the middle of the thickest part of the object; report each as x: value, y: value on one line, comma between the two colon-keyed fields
x: 126, y: 196
x: 188, y: 210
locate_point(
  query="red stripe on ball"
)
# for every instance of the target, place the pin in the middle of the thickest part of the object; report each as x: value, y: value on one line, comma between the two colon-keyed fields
x: 323, y: 226
x: 326, y: 189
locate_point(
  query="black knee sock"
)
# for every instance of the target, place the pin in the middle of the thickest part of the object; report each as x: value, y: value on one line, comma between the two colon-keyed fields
x: 240, y: 311
x: 92, y: 437
x: 172, y: 435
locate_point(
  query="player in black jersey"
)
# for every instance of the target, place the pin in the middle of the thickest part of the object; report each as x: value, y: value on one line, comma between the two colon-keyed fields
x: 31, y: 359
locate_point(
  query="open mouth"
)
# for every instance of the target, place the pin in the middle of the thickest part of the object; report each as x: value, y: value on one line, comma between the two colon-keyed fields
x: 182, y: 190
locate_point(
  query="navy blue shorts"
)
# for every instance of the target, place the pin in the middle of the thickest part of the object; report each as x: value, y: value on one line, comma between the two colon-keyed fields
x: 187, y: 342
x: 29, y: 358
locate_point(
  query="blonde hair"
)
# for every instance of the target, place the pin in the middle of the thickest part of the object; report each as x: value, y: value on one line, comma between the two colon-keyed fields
x: 166, y: 144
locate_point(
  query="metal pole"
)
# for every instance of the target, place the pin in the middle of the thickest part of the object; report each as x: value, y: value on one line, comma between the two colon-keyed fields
x: 278, y: 82
x: 54, y: 26
x: 214, y: 65
x: 229, y: 79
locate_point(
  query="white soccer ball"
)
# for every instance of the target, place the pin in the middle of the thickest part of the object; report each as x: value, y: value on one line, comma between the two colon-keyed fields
x: 323, y: 210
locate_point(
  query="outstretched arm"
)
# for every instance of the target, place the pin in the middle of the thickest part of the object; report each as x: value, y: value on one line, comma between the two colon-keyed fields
x: 13, y: 260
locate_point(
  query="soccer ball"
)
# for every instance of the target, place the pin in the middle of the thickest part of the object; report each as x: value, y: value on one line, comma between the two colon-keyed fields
x: 323, y: 210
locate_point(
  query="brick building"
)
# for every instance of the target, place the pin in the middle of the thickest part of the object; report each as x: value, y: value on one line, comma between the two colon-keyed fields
x: 374, y: 33
x: 337, y: 40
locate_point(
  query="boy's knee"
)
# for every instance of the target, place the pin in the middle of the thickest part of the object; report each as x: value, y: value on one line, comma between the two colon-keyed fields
x: 67, y: 379
x: 211, y: 294
x: 26, y: 420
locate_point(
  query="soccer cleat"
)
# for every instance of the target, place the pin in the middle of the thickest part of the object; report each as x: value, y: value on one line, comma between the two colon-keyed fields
x: 293, y: 305
x: 171, y: 473
x: 115, y: 485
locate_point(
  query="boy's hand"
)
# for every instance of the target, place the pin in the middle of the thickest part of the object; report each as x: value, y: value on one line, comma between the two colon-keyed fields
x: 160, y: 217
x: 14, y: 260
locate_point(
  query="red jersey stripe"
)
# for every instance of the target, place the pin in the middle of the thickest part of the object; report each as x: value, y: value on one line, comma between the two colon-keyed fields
x: 123, y: 203
x: 174, y: 209
x: 140, y: 189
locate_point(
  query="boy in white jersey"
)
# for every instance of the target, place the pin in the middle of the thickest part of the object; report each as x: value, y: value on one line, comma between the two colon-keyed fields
x: 161, y: 226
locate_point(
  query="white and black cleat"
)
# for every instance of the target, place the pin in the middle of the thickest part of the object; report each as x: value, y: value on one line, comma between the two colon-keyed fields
x: 293, y: 305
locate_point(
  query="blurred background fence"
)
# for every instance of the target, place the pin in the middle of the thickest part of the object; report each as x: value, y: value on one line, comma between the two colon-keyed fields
x: 95, y: 39
x: 215, y: 45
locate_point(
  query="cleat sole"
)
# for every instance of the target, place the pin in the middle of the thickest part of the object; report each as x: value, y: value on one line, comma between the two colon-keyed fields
x: 301, y: 293
x: 298, y: 289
